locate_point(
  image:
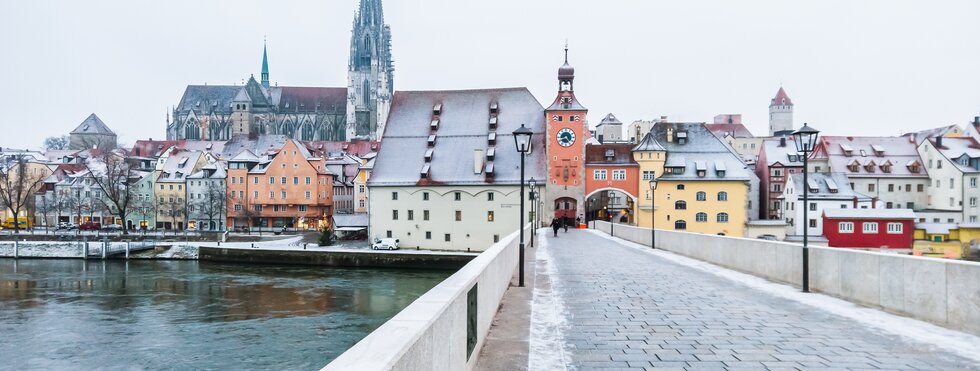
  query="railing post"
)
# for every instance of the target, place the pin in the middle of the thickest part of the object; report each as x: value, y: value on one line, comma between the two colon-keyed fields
x: 127, y: 249
x: 16, y: 249
x: 105, y: 246
x: 84, y: 249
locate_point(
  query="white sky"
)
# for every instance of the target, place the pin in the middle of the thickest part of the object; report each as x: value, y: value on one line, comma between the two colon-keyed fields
x: 851, y: 67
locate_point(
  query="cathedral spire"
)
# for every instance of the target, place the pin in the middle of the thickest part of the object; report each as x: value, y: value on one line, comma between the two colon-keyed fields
x: 265, y: 65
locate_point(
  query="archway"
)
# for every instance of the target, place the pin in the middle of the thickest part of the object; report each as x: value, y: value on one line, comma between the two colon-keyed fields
x: 611, y: 205
x: 565, y: 207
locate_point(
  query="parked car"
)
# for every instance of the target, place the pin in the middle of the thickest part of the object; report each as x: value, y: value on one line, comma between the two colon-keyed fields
x: 385, y: 244
x: 768, y: 237
x: 112, y: 228
x: 90, y: 226
x: 241, y: 228
x: 66, y: 226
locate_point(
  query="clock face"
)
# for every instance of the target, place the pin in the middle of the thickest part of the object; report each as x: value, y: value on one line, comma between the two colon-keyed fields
x: 566, y: 137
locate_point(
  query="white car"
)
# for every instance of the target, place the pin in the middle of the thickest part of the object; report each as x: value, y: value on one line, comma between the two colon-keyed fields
x: 385, y: 244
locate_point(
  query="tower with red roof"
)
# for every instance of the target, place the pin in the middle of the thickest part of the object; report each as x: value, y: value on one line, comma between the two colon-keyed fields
x: 780, y: 114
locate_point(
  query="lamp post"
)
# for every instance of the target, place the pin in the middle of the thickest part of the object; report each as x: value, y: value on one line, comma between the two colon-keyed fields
x: 805, y: 139
x: 653, y: 203
x: 589, y: 214
x: 522, y: 139
x: 534, y: 201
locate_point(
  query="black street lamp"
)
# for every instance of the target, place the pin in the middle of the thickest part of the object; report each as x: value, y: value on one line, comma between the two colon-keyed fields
x: 806, y: 139
x: 522, y: 139
x: 653, y: 204
x: 534, y: 201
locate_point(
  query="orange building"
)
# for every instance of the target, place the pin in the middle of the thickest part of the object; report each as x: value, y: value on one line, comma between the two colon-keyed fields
x: 286, y: 187
x: 611, y: 182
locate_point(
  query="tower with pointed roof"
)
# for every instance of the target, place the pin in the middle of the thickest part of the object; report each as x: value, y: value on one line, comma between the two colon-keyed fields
x: 370, y: 73
x: 92, y: 134
x: 780, y: 114
x: 265, y: 66
x: 566, y: 132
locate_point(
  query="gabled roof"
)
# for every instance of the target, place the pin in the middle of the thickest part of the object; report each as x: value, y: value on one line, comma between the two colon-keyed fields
x: 735, y: 130
x: 825, y: 183
x: 941, y: 131
x: 781, y: 99
x: 649, y: 143
x: 954, y: 149
x: 245, y: 156
x: 92, y: 125
x: 599, y: 154
x: 610, y: 119
x: 901, y: 214
x: 898, y: 150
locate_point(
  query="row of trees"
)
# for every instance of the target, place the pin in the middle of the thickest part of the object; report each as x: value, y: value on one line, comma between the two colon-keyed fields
x: 18, y: 185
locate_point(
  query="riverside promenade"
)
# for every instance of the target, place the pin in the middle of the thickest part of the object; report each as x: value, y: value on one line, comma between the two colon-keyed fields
x: 603, y: 303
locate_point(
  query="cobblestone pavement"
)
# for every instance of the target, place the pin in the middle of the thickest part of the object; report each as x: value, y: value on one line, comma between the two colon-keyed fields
x: 630, y: 310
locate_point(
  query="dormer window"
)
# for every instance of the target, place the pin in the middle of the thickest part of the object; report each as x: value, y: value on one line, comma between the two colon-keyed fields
x: 869, y: 166
x: 610, y: 154
x: 493, y: 122
x: 682, y: 137
x: 428, y: 154
x: 878, y: 150
x: 491, y: 152
x: 493, y: 108
x: 434, y: 125
x: 492, y: 138
x: 437, y: 109
x: 848, y: 151
x: 432, y: 140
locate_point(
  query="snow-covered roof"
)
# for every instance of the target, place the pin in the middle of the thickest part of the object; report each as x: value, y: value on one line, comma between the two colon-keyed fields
x: 462, y: 130
x: 936, y: 228
x: 954, y: 149
x: 824, y: 186
x: 701, y: 151
x: 898, y: 150
x: 780, y: 150
x: 891, y: 214
x: 351, y: 220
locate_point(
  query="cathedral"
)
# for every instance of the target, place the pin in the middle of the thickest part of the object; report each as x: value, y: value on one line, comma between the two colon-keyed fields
x: 358, y: 111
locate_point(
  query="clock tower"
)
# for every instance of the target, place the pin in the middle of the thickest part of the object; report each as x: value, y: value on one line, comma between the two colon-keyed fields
x: 566, y: 134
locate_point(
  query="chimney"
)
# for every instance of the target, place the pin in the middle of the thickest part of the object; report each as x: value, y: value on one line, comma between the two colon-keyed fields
x: 855, y: 202
x: 478, y: 161
x: 976, y: 121
x: 874, y: 202
x: 939, y: 141
x: 782, y: 141
x: 670, y: 134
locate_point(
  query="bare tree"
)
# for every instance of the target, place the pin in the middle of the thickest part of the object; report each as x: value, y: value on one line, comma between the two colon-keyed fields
x: 45, y: 206
x: 247, y: 211
x: 172, y: 208
x: 144, y: 206
x: 115, y: 178
x: 212, y: 204
x: 56, y: 143
x: 18, y: 184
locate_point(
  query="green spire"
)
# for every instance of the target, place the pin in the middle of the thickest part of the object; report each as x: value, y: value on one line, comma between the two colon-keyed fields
x: 265, y: 66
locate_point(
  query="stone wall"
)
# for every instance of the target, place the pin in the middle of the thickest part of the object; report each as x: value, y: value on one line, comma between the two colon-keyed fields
x: 431, y: 333
x: 941, y: 291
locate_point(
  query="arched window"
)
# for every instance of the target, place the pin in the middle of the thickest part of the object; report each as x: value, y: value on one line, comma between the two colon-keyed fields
x: 722, y: 217
x: 702, y: 196
x: 680, y: 205
x: 680, y: 225
x: 680, y: 187
x: 722, y: 196
x: 701, y: 217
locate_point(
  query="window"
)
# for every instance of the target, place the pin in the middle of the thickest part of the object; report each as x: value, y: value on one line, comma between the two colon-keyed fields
x: 909, y: 205
x: 232, y: 180
x: 394, y: 214
x: 428, y: 235
x: 447, y: 237
x: 283, y: 194
x: 296, y: 180
x: 599, y: 174
x: 871, y: 187
x: 895, y: 228
x: 813, y: 223
x: 891, y: 188
x: 701, y: 217
x: 411, y: 215
x: 722, y: 218
x: 388, y: 233
x: 425, y: 196
x: 258, y: 208
x: 870, y: 227
x: 680, y: 205
x: 722, y: 196
x: 238, y: 207
x: 489, y: 216
x: 908, y: 188
x: 701, y: 196
x: 973, y: 182
x: 973, y: 201
x: 918, y: 188
x: 680, y: 187
x: 425, y: 214
x: 813, y: 206
x: 308, y: 195
x: 302, y: 208
x: 845, y: 227
x: 680, y: 225
x: 648, y: 175
x: 496, y: 238
x: 619, y: 174
x: 489, y: 196
x: 777, y: 172
x: 458, y: 196
x: 888, y: 205
x: 272, y: 180
x: 283, y: 179
x: 394, y: 195
x: 308, y: 183
x: 459, y: 216
x: 776, y: 187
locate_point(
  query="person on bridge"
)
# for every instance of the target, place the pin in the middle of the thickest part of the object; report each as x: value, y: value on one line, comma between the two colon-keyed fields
x: 555, y: 225
x: 565, y: 221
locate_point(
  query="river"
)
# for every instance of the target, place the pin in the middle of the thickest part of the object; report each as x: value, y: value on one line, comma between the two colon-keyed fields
x: 75, y: 314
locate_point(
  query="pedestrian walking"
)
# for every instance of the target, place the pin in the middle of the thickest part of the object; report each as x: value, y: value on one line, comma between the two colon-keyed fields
x: 555, y: 225
x: 565, y: 221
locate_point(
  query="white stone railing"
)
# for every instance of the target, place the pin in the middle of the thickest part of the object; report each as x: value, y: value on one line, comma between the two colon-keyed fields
x: 432, y: 332
x: 941, y: 291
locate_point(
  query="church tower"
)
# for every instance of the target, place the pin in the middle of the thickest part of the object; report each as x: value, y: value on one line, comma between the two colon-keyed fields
x: 565, y: 144
x: 780, y: 113
x: 265, y: 66
x: 369, y: 73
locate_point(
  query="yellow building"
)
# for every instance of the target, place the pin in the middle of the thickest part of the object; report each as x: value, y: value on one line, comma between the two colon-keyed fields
x: 170, y: 188
x: 34, y: 172
x: 702, y: 186
x: 944, y: 240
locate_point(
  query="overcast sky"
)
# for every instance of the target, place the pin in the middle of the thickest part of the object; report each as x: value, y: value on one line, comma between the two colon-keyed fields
x: 851, y: 67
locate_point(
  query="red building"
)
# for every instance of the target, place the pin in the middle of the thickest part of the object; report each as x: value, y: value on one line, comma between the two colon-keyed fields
x: 891, y: 228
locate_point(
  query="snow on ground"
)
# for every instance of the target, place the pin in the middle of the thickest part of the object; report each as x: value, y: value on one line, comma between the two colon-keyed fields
x: 548, y: 316
x: 181, y: 251
x: 956, y: 342
x: 51, y: 249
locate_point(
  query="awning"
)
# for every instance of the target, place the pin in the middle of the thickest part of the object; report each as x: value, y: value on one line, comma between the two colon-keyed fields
x: 350, y: 229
